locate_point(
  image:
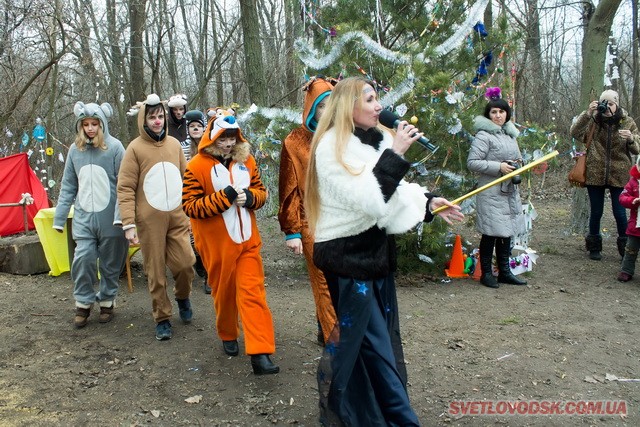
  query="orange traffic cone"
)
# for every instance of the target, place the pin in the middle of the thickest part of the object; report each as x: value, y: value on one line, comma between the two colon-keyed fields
x: 477, y: 271
x: 456, y: 266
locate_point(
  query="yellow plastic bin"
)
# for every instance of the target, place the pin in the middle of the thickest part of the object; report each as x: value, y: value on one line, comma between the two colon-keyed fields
x: 54, y: 243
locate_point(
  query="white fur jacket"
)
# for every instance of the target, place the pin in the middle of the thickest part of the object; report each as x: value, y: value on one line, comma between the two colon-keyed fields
x: 352, y: 203
x: 360, y: 208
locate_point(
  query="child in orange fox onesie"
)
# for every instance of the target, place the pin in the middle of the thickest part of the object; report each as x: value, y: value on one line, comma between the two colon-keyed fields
x: 294, y: 160
x: 221, y: 190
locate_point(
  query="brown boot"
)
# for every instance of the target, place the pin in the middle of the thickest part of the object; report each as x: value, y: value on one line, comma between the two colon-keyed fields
x: 82, y: 317
x: 106, y: 314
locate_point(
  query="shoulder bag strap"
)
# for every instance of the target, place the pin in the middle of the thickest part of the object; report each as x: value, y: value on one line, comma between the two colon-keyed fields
x: 589, y: 136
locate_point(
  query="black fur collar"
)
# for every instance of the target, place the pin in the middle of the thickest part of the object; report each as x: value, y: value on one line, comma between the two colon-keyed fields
x: 371, y: 137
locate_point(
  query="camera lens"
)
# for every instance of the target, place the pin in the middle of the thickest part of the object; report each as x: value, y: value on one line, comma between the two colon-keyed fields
x: 603, y: 106
x: 517, y: 179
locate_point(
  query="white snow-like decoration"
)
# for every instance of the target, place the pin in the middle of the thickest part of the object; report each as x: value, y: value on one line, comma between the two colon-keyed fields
x: 294, y: 116
x: 475, y: 15
x: 399, y: 91
x: 311, y: 57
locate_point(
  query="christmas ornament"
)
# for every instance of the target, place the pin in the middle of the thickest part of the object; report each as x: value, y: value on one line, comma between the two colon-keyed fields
x: 39, y: 132
x: 401, y: 110
x: 480, y: 29
x: 414, y: 120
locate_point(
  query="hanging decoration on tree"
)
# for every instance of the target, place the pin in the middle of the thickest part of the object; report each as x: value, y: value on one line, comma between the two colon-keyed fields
x: 475, y: 14
x: 25, y: 140
x: 610, y: 68
x: 401, y: 110
x: 39, y: 132
x: 272, y: 113
x: 480, y: 29
x: 312, y: 59
x: 485, y: 62
x: 393, y: 96
x: 311, y: 13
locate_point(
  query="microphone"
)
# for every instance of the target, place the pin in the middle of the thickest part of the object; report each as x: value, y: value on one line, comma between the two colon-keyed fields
x: 390, y: 120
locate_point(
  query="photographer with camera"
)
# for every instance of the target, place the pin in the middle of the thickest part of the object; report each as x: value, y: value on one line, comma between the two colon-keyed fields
x: 614, y: 139
x: 494, y: 152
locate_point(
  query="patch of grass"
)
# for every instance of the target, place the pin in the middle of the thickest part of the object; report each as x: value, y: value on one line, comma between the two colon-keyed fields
x: 511, y: 320
x: 550, y: 250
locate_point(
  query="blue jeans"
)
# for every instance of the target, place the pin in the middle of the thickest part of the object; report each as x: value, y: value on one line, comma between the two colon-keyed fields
x: 596, y: 203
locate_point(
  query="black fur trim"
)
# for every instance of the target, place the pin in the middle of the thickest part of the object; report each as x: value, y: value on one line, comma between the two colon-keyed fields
x: 428, y: 216
x: 365, y: 256
x: 371, y: 137
x: 389, y: 171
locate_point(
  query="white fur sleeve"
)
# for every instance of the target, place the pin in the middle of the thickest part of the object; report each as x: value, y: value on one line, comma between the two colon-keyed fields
x: 360, y: 191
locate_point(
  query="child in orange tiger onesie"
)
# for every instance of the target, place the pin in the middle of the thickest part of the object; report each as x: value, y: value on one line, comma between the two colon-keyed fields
x: 221, y: 190
x: 294, y: 160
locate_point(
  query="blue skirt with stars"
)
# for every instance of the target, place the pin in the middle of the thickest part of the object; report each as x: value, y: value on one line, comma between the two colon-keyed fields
x: 361, y: 376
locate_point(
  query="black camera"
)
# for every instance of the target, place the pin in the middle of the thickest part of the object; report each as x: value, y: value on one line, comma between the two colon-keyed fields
x: 603, y: 106
x: 517, y: 179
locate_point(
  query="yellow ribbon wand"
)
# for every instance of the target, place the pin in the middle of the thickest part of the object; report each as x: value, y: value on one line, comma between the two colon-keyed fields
x: 499, y: 180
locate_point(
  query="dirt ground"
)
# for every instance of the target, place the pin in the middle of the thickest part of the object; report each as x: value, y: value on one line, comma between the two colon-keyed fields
x: 554, y: 340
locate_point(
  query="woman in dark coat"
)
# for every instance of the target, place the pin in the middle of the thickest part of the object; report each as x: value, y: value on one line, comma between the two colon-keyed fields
x: 614, y: 139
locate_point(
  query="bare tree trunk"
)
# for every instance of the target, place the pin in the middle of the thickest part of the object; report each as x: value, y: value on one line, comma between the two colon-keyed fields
x: 291, y: 71
x: 488, y: 16
x: 597, y: 27
x: 137, y: 87
x: 172, y: 58
x: 216, y: 49
x: 536, y: 72
x: 84, y: 53
x: 154, y: 45
x: 198, y: 48
x: 117, y: 80
x: 254, y: 68
x: 579, y: 211
x: 635, y: 71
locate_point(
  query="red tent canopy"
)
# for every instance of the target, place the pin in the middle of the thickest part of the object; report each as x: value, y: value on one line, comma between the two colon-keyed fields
x: 16, y: 178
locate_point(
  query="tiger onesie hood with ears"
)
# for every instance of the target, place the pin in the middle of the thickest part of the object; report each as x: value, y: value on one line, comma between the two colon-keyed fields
x: 226, y: 234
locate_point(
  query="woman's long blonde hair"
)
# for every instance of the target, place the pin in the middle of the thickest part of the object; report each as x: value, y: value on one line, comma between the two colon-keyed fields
x: 338, y: 115
x: 82, y: 139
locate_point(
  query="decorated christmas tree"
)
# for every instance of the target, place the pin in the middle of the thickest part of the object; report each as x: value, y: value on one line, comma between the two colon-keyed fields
x: 432, y: 63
